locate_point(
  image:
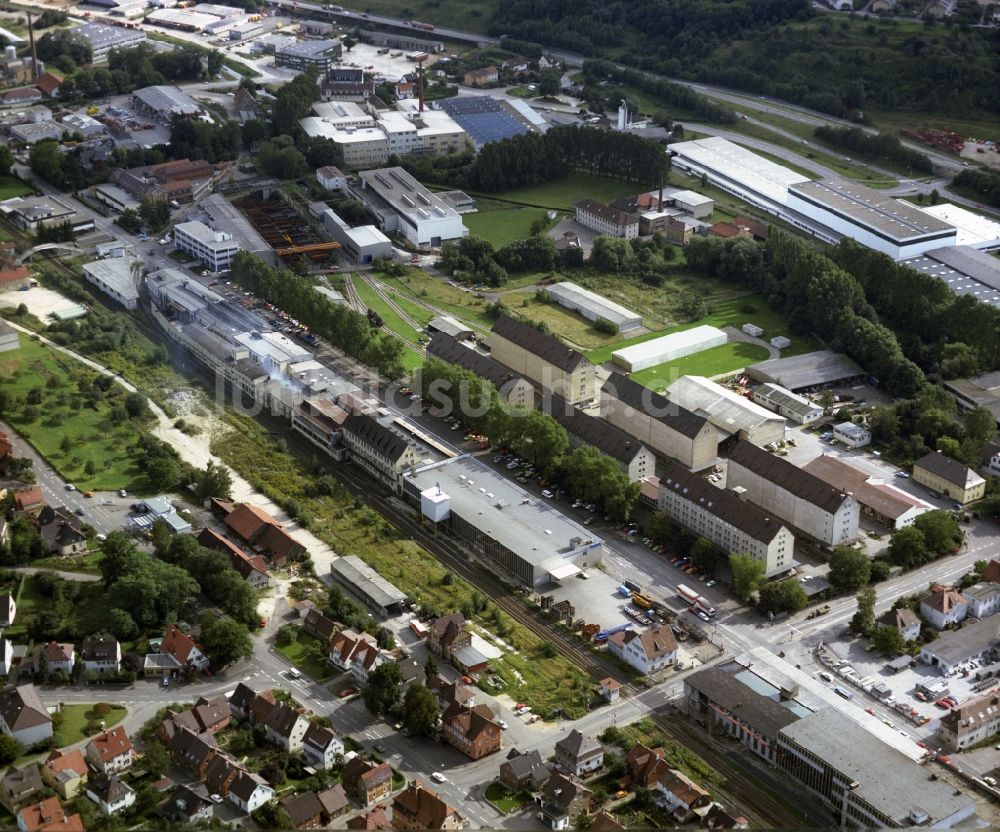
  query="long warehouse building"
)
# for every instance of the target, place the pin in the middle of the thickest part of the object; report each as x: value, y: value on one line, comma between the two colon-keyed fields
x: 668, y: 348
x: 592, y: 306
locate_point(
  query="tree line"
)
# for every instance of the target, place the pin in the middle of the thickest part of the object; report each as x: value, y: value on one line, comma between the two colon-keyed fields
x: 983, y: 184
x: 816, y: 296
x: 531, y: 435
x: 346, y: 329
x: 473, y: 260
x: 877, y: 147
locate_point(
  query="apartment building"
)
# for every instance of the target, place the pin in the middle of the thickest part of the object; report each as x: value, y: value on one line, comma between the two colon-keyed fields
x: 634, y: 458
x: 514, y: 390
x: 971, y: 723
x: 949, y: 477
x: 802, y: 500
x: 730, y: 522
x: 667, y: 429
x: 378, y: 449
x: 606, y: 220
x: 544, y: 359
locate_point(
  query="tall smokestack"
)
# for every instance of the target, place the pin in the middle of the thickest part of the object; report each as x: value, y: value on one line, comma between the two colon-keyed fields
x: 420, y: 73
x: 34, y: 55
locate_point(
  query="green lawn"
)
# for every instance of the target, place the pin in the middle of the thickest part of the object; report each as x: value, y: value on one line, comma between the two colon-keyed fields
x: 392, y: 319
x: 502, y: 798
x: 300, y: 654
x: 62, y: 413
x: 725, y: 358
x: 11, y: 186
x: 88, y: 563
x: 75, y: 719
x: 504, y: 226
x: 441, y: 294
x: 726, y: 313
x: 562, y: 193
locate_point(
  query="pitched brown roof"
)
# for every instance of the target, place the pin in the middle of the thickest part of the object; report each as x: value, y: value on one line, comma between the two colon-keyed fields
x: 111, y: 744
x: 375, y: 819
x: 302, y: 808
x: 655, y: 643
x: 472, y: 722
x: 944, y: 599
x: 177, y: 644
x: 28, y: 497
x: 23, y: 708
x: 245, y: 784
x: 333, y: 800
x: 991, y: 574
x: 278, y: 543
x: 603, y: 822
x: 59, y: 761
x: 644, y: 400
x: 547, y: 347
x: 210, y: 712
x: 608, y: 213
x: 791, y: 477
x: 947, y: 468
x: 422, y: 807
x: 47, y: 82
x: 247, y: 521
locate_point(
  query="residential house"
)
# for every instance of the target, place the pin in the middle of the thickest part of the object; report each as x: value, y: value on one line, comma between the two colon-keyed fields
x: 29, y: 501
x: 609, y: 689
x: 365, y: 781
x: 175, y: 722
x: 334, y: 802
x: 991, y: 573
x: 53, y: 657
x: 111, y: 752
x: 603, y: 822
x: 183, y: 649
x: 647, y: 652
x: 242, y: 702
x: 24, y: 716
x: 472, y: 730
x: 365, y: 660
x: 61, y: 531
x: 543, y: 358
x: 252, y: 568
x: 331, y: 178
x: 8, y: 609
x: 304, y: 810
x: 286, y: 727
x: 101, y: 655
x: 678, y: 794
x: 481, y: 77
x: 989, y: 461
x: 111, y: 794
x: 49, y: 84
x: 905, y: 620
x: 321, y: 747
x: 6, y: 656
x: 983, y: 598
x: 644, y: 764
x: 220, y: 773
x: 949, y: 477
x: 418, y: 808
x: 944, y: 606
x: 211, y: 714
x: 375, y: 819
x: 193, y: 751
x: 718, y: 818
x: 971, y: 723
x: 523, y: 772
x: 250, y: 791
x: 579, y: 754
x: 561, y: 801
x: 319, y: 626
x: 48, y: 816
x: 345, y: 644
x: 65, y: 772
x: 447, y: 634
x: 451, y: 693
x: 19, y: 785
x: 256, y: 527
x: 187, y: 806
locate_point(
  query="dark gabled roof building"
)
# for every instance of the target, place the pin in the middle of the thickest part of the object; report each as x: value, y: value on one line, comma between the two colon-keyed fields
x: 378, y: 449
x: 513, y: 388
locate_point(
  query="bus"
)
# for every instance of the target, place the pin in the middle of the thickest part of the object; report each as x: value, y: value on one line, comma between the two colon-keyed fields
x: 695, y: 600
x: 687, y: 593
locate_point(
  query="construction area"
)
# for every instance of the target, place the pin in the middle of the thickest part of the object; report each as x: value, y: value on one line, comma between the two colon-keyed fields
x: 283, y: 227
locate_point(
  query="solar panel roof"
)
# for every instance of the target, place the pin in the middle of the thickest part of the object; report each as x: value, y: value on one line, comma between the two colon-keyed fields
x: 483, y: 118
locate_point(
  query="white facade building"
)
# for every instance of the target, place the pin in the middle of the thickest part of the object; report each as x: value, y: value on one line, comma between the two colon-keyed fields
x: 788, y: 404
x: 647, y: 652
x: 593, y: 306
x: 668, y: 348
x: 215, y: 249
x: 852, y: 435
x: 606, y: 220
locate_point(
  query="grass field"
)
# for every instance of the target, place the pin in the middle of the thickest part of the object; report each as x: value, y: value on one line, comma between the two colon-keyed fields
x: 300, y: 654
x: 11, y: 186
x: 75, y: 719
x: 53, y: 379
x: 711, y: 362
x: 563, y: 192
x: 727, y: 313
x: 441, y: 294
x: 390, y: 317
x: 504, y: 226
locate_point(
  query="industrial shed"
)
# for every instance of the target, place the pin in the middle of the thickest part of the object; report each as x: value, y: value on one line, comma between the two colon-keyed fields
x: 593, y: 306
x: 808, y: 372
x: 365, y: 583
x: 732, y: 414
x: 668, y: 348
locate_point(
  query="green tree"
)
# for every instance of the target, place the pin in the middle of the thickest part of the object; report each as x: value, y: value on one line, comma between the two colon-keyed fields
x: 888, y: 640
x: 783, y: 596
x: 155, y: 759
x: 384, y: 688
x: 940, y: 530
x: 704, y: 555
x: 431, y: 665
x: 10, y: 749
x: 215, y: 481
x: 863, y: 621
x: 849, y: 569
x: 421, y: 708
x: 748, y: 575
x: 6, y: 160
x: 549, y: 82
x: 908, y: 548
x: 225, y: 641
x: 163, y: 473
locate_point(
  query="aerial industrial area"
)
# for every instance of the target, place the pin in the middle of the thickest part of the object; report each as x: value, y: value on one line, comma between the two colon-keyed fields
x: 436, y: 424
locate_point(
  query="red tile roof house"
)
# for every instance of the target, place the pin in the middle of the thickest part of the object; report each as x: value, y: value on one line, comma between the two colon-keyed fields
x: 183, y: 649
x: 365, y: 660
x: 944, y: 606
x: 419, y: 808
x: 252, y: 568
x: 447, y: 634
x: 48, y: 816
x: 345, y: 644
x: 375, y: 819
x: 49, y: 84
x: 53, y: 657
x: 65, y: 772
x: 193, y: 751
x: 319, y: 626
x: 255, y: 526
x: 111, y: 752
x: 211, y: 714
x: 679, y: 795
x: 29, y: 500
x: 220, y: 774
x: 473, y: 731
